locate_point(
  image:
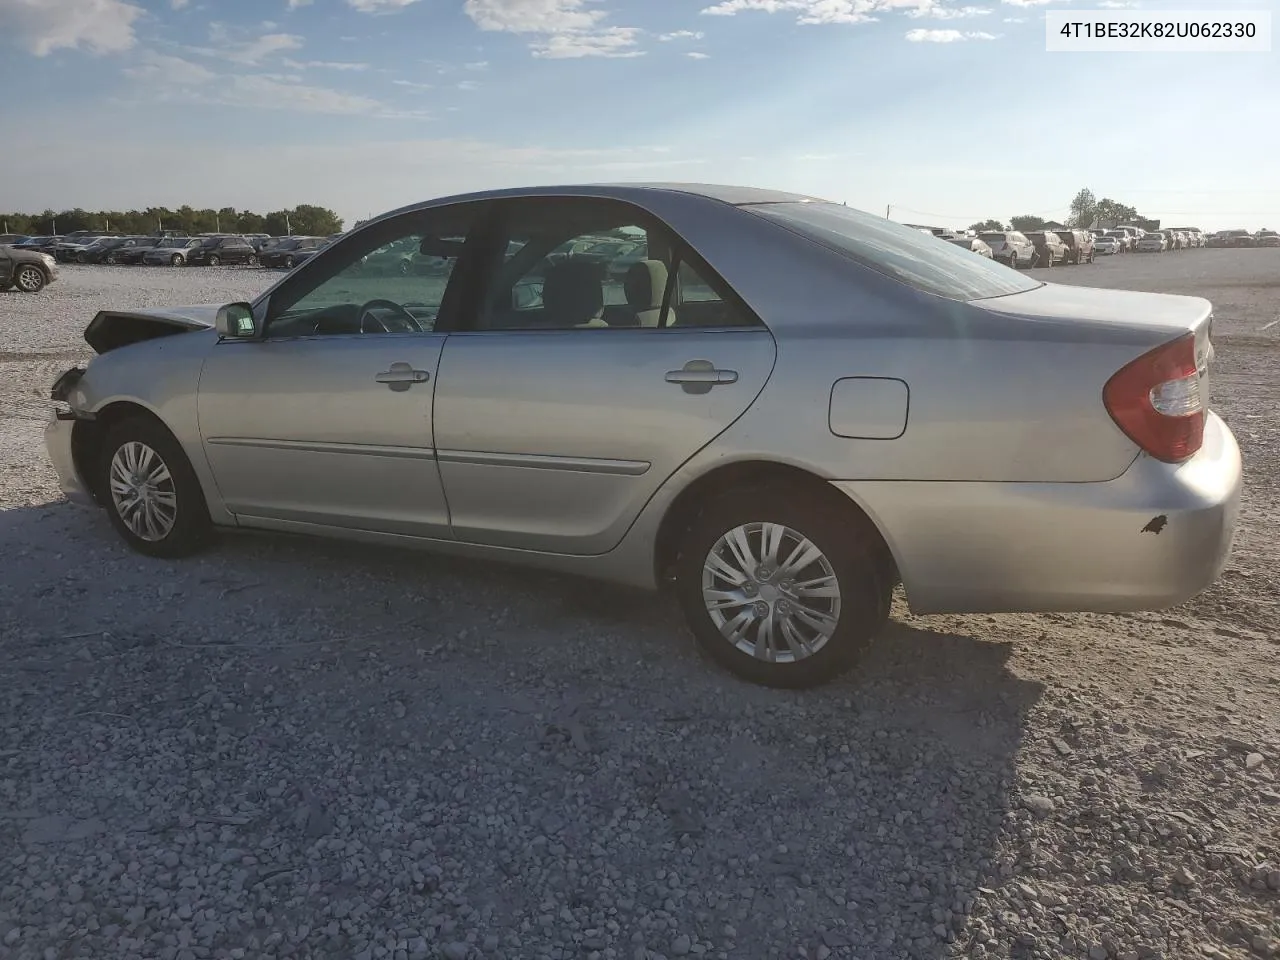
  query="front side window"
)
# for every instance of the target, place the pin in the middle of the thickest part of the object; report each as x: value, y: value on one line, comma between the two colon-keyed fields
x: 580, y: 264
x: 389, y: 278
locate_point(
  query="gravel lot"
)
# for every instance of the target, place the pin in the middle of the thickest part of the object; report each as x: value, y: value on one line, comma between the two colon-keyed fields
x: 290, y: 748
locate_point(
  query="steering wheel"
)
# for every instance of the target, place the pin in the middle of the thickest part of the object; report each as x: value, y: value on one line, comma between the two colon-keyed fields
x: 405, y: 322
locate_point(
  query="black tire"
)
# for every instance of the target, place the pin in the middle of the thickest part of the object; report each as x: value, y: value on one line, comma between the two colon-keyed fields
x: 29, y: 278
x: 177, y: 260
x: 213, y: 260
x: 289, y: 263
x: 110, y: 258
x: 851, y: 548
x: 252, y: 260
x: 191, y: 527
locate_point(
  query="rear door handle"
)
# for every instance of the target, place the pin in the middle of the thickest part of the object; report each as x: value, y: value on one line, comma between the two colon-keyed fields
x: 402, y: 376
x: 699, y: 376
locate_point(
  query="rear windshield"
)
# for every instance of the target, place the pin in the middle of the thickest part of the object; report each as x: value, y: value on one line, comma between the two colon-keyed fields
x: 897, y: 251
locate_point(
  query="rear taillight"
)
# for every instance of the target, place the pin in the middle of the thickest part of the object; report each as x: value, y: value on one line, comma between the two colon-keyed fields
x: 1156, y: 400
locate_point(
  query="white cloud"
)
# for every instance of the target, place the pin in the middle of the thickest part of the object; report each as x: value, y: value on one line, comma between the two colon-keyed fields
x: 42, y: 26
x: 952, y: 13
x: 476, y: 65
x: 695, y: 55
x: 179, y: 4
x: 559, y: 29
x: 346, y: 67
x: 1015, y: 19
x: 947, y: 36
x: 1118, y: 4
x: 1030, y: 3
x: 239, y: 44
x: 606, y: 42
x: 295, y: 4
x: 413, y: 84
x: 186, y: 81
x: 468, y: 85
x: 847, y: 11
x: 379, y: 6
x: 682, y: 35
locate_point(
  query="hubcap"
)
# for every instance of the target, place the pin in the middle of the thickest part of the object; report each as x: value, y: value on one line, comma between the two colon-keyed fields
x: 29, y: 278
x: 771, y: 592
x: 143, y: 492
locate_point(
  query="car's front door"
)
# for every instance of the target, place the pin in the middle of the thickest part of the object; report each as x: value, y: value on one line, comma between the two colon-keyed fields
x: 327, y: 418
x: 573, y: 394
x: 6, y: 268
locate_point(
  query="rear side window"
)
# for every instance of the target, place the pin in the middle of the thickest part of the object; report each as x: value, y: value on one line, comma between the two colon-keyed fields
x: 907, y: 255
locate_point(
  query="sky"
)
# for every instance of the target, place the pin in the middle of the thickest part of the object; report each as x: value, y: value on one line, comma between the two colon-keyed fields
x: 940, y: 112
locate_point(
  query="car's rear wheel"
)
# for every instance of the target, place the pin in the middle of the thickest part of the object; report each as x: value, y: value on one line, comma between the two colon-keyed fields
x: 289, y: 263
x: 29, y: 278
x: 214, y: 260
x: 110, y: 258
x: 251, y: 260
x: 150, y: 491
x: 782, y: 590
x: 176, y: 260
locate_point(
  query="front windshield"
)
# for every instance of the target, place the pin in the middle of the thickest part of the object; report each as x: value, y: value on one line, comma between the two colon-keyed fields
x: 896, y: 251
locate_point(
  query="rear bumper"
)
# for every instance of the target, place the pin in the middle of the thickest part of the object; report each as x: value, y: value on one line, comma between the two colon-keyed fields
x: 1150, y: 539
x: 57, y: 442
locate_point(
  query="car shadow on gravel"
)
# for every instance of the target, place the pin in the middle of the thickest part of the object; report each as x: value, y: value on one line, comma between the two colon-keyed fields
x: 854, y: 820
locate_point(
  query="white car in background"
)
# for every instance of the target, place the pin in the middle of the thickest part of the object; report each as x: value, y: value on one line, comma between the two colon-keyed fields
x: 1104, y: 245
x: 1153, y: 243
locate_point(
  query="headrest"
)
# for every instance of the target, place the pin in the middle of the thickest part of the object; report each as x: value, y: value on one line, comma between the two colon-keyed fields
x: 645, y: 284
x: 572, y: 292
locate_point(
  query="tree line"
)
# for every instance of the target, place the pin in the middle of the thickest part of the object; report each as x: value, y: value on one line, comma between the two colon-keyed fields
x: 304, y: 219
x: 1086, y: 208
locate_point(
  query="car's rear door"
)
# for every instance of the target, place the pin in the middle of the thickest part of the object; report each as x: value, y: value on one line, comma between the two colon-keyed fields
x: 326, y: 420
x: 565, y: 401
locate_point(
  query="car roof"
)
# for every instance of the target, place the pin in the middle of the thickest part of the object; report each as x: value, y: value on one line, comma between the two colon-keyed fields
x: 636, y: 192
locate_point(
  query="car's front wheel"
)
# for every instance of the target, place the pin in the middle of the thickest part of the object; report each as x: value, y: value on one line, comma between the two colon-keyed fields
x: 782, y: 590
x: 214, y: 260
x: 29, y: 278
x: 150, y: 490
x: 176, y: 260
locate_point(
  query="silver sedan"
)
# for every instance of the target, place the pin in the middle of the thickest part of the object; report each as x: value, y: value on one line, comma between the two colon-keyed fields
x: 785, y: 410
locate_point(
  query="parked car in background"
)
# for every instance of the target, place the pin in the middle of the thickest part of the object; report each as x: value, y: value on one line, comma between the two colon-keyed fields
x: 756, y: 459
x: 100, y: 249
x: 1079, y: 243
x: 217, y: 250
x: 976, y: 244
x: 258, y: 240
x: 6, y: 239
x: 1238, y: 238
x: 1195, y: 237
x: 1010, y: 247
x: 132, y: 255
x: 1124, y: 238
x: 68, y: 249
x: 40, y: 244
x: 1153, y: 243
x: 29, y: 271
x: 1050, y: 249
x: 171, y: 251
x: 1106, y: 246
x: 286, y: 252
x: 1267, y: 238
x: 302, y: 256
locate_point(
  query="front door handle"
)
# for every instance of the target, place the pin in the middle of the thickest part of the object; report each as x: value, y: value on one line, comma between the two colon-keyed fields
x: 699, y: 376
x: 402, y: 376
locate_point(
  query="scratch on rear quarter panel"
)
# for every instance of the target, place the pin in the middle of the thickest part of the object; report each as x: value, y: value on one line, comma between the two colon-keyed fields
x: 1156, y: 524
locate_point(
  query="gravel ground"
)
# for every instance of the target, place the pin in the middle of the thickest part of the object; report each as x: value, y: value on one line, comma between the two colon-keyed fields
x: 291, y: 748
